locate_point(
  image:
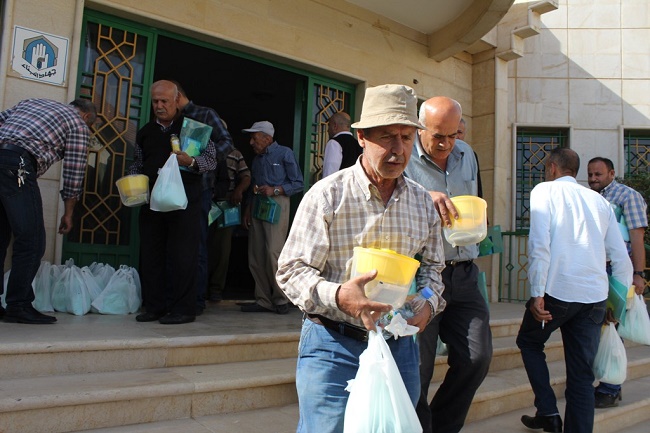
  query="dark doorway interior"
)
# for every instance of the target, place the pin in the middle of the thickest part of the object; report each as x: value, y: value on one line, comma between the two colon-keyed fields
x: 241, y: 91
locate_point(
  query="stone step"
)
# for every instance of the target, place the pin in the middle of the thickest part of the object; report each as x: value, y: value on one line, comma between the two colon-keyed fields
x: 85, y: 401
x: 506, y: 390
x: 629, y: 417
x: 117, y: 343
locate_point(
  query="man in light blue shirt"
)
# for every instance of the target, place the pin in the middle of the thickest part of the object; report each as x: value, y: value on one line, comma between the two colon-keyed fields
x: 447, y: 167
x: 573, y: 231
x: 275, y: 173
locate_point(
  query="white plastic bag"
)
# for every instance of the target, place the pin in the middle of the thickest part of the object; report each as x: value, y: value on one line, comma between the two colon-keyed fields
x: 637, y: 322
x: 102, y: 273
x: 122, y: 293
x: 43, y: 282
x: 168, y: 192
x: 70, y: 294
x: 610, y: 364
x: 379, y: 402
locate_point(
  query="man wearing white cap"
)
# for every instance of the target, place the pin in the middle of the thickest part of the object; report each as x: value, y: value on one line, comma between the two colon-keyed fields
x: 372, y: 205
x: 275, y: 173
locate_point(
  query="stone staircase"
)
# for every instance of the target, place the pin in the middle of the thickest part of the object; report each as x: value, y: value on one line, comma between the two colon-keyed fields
x: 231, y: 372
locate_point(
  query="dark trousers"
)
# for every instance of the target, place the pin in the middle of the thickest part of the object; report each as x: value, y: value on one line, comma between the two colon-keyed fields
x: 169, y: 258
x: 464, y: 326
x: 21, y: 213
x: 202, y: 272
x: 580, y: 325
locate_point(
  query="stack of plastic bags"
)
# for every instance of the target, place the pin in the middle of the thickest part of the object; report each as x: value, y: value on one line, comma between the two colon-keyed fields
x: 97, y: 288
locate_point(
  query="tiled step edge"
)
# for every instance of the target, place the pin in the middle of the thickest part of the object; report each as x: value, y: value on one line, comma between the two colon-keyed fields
x: 75, y: 357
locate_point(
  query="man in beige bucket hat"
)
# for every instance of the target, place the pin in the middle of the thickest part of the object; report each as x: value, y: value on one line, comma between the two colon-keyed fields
x: 372, y: 205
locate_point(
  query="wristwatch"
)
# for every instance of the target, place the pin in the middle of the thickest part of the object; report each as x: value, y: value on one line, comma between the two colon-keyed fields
x: 276, y: 191
x: 640, y: 273
x: 193, y: 163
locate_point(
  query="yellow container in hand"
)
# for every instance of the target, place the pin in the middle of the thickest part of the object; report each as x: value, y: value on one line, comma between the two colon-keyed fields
x: 395, y: 273
x: 134, y: 189
x: 471, y: 225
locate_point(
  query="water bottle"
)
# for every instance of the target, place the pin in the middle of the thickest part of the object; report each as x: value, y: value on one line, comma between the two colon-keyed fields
x: 408, y: 310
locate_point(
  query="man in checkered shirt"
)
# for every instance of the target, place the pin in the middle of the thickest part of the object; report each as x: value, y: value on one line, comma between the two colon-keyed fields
x: 34, y: 134
x: 372, y: 205
x: 632, y: 208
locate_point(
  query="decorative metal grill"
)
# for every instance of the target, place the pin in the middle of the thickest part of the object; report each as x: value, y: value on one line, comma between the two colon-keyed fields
x: 637, y: 152
x: 327, y: 101
x: 532, y: 148
x: 112, y: 76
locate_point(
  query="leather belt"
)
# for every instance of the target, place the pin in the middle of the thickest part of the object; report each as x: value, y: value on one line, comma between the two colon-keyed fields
x: 19, y: 150
x: 346, y: 329
x: 454, y: 263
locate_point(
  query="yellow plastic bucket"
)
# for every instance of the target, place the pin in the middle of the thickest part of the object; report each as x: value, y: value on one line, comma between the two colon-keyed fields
x: 395, y: 273
x: 471, y: 225
x: 134, y: 189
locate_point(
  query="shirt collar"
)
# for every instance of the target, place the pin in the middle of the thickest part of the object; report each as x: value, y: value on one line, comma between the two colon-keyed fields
x: 611, y: 185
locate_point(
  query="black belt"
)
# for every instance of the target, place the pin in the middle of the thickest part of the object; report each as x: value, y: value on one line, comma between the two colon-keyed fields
x: 19, y: 150
x: 454, y: 263
x: 346, y: 329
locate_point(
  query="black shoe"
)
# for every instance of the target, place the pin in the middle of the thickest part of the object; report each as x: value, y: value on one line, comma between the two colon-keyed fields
x: 26, y: 315
x: 605, y: 400
x: 176, y: 319
x: 215, y: 297
x: 282, y: 309
x: 255, y: 308
x: 551, y: 423
x: 148, y: 317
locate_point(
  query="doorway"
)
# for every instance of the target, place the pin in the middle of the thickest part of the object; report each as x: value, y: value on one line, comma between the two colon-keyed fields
x: 120, y: 59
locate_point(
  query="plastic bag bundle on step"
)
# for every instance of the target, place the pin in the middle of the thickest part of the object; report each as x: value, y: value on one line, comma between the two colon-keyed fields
x: 379, y: 401
x: 122, y: 294
x: 610, y: 364
x: 637, y: 323
x: 102, y: 273
x: 43, y: 283
x: 70, y: 294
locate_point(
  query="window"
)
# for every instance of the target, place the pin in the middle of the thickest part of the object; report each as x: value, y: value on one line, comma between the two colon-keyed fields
x: 533, y: 145
x: 636, y: 145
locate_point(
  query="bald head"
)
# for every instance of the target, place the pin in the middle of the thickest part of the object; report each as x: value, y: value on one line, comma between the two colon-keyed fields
x: 441, y: 115
x: 339, y: 122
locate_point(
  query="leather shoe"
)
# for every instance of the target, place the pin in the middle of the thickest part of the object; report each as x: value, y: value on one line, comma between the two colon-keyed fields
x: 26, y: 315
x: 176, y: 319
x: 606, y: 400
x: 148, y: 317
x: 255, y: 308
x: 551, y: 423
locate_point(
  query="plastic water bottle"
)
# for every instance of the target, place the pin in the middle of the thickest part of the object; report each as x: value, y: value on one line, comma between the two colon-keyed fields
x: 408, y: 310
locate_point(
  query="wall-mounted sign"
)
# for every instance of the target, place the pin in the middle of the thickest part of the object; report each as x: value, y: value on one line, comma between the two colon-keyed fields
x: 39, y: 56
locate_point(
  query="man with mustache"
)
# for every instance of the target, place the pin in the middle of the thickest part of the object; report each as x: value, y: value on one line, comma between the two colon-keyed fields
x: 168, y: 240
x: 372, y: 205
x: 447, y: 167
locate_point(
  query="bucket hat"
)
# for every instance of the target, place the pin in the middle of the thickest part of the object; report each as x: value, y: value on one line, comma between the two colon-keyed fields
x: 263, y: 126
x: 389, y: 104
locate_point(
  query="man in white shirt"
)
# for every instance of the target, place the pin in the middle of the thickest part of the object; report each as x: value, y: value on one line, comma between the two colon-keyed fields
x: 573, y: 231
x: 342, y: 150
